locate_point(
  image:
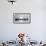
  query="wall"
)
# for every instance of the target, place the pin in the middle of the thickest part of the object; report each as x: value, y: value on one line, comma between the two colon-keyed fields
x: 37, y: 28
